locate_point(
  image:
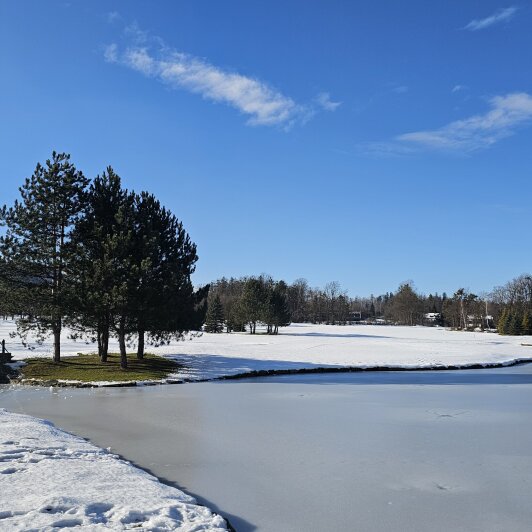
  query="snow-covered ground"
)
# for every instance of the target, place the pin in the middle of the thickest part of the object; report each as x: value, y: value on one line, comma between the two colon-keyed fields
x: 314, y: 346
x: 50, y: 479
x: 300, y: 346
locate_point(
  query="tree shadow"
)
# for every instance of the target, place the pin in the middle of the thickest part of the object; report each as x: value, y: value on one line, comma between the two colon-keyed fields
x: 336, y: 335
x: 208, y: 367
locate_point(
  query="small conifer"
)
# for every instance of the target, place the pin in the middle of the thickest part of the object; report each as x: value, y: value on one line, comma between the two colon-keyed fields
x: 503, y: 323
x: 214, y: 320
x: 526, y: 325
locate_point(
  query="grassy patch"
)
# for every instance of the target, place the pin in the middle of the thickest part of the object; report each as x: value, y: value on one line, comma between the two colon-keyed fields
x: 88, y: 368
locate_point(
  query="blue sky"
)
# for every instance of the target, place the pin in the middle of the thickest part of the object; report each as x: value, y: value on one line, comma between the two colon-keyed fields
x: 364, y: 142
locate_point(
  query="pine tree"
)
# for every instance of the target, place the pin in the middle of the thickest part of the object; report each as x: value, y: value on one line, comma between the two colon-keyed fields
x: 235, y: 318
x: 134, y: 262
x: 515, y: 324
x: 175, y: 307
x: 214, y: 320
x: 106, y: 273
x: 526, y: 325
x: 279, y: 304
x: 35, y: 248
x: 503, y: 325
x: 95, y: 259
x: 252, y: 302
x: 148, y: 256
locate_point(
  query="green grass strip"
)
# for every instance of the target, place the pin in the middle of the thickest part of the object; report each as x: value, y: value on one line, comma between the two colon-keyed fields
x: 88, y: 368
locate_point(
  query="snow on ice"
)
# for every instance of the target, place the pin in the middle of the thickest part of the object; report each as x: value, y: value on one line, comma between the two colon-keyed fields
x: 50, y: 479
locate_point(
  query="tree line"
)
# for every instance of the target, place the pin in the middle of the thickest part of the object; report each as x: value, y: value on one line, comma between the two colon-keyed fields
x: 514, y: 300
x: 507, y: 309
x: 240, y: 304
x: 103, y: 260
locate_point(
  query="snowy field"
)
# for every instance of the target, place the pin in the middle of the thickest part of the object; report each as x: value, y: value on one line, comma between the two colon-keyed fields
x: 313, y: 346
x: 50, y: 479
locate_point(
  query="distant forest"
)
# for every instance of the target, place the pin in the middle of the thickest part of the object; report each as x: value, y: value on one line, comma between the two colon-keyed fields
x: 239, y: 304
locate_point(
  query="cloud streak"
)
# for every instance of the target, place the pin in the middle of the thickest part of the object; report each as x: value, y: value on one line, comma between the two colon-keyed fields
x: 506, y: 114
x: 501, y: 15
x: 256, y: 99
x: 324, y: 101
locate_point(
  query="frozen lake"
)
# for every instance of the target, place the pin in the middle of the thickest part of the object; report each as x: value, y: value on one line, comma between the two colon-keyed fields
x: 445, y: 450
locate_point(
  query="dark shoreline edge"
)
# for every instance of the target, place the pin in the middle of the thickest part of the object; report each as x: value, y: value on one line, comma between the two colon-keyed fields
x: 277, y: 372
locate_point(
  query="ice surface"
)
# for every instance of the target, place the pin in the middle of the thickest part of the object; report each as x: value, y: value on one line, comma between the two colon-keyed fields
x: 408, y: 451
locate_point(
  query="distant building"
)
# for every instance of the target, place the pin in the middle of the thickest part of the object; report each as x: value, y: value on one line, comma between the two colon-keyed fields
x: 354, y: 316
x: 482, y: 322
x: 432, y: 318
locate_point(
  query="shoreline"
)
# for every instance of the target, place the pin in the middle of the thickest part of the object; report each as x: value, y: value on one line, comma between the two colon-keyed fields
x: 32, y: 445
x: 276, y: 372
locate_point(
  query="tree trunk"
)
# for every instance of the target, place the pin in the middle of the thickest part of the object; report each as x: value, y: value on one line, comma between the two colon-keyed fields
x: 105, y: 344
x: 140, y: 347
x: 99, y: 337
x: 122, y: 344
x: 57, y: 343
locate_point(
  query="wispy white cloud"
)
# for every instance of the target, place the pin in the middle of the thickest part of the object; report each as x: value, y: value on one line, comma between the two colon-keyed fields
x: 260, y: 102
x: 137, y: 35
x: 506, y: 114
x: 458, y: 88
x: 263, y: 104
x: 400, y: 89
x: 480, y: 131
x: 113, y: 16
x: 324, y: 101
x: 501, y: 15
x: 110, y: 53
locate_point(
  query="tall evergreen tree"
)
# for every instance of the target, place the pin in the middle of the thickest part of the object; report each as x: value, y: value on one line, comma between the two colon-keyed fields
x: 106, y: 273
x: 252, y: 302
x: 95, y: 259
x: 214, y: 320
x: 149, y: 257
x: 406, y: 306
x: 35, y: 247
x: 172, y: 305
x: 125, y: 274
x: 133, y: 269
x: 279, y: 313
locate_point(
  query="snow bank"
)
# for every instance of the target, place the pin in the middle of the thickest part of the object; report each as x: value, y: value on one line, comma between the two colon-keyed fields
x: 50, y: 479
x: 306, y: 346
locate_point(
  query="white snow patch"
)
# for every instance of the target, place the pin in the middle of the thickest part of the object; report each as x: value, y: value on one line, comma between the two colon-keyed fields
x: 307, y: 346
x: 50, y: 479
